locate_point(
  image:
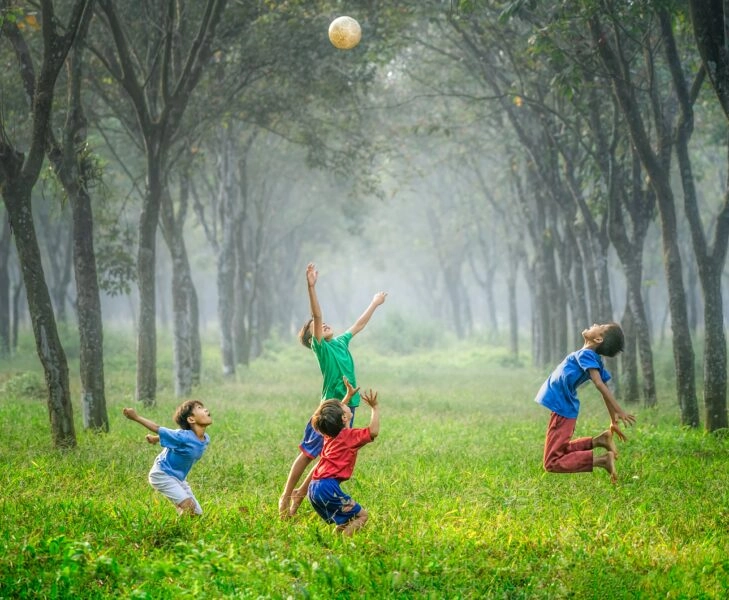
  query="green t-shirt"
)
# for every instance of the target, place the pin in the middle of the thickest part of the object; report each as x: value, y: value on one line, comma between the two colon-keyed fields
x: 335, y: 361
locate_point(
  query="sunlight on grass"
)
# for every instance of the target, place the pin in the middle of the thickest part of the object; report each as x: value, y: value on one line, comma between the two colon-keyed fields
x: 460, y: 506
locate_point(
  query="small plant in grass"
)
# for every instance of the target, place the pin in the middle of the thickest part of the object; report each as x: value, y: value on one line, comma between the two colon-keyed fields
x: 27, y: 384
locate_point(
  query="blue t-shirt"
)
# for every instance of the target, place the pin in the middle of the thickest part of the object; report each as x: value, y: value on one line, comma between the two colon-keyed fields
x: 559, y: 392
x: 335, y: 361
x: 182, y: 449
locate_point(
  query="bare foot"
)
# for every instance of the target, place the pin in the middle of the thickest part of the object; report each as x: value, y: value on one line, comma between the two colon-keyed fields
x: 284, y: 506
x: 610, y: 466
x: 607, y: 462
x: 296, y: 499
x: 605, y: 440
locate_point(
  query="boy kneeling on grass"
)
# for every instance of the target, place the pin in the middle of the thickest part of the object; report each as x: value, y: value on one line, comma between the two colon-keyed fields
x: 181, y: 449
x: 338, y: 456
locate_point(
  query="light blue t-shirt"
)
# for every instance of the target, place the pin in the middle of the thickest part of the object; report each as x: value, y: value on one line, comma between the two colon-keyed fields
x: 182, y: 449
x: 559, y: 392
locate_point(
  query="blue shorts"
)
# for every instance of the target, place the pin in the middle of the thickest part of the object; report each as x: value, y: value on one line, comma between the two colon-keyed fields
x: 331, y: 503
x: 313, y: 441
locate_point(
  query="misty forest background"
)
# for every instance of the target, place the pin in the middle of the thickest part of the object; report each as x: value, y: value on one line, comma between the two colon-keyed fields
x: 510, y: 172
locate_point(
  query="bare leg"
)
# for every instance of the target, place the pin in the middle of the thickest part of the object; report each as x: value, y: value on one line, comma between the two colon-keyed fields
x: 298, y: 495
x: 186, y: 507
x: 605, y: 440
x: 297, y: 469
x: 350, y: 527
x: 607, y: 461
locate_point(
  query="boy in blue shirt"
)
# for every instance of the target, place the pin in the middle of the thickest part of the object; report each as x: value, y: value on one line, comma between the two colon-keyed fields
x: 558, y: 393
x: 182, y: 448
x: 336, y: 363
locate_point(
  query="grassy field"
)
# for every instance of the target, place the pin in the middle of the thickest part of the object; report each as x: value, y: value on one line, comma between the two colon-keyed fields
x: 459, y: 505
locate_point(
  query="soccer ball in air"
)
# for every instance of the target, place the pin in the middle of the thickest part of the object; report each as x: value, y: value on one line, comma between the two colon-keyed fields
x: 344, y: 33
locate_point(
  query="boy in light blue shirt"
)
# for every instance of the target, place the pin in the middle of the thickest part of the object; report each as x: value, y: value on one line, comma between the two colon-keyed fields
x: 181, y: 449
x: 558, y: 394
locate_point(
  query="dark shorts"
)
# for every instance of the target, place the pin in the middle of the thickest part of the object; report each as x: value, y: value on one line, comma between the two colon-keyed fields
x: 331, y: 503
x: 313, y: 441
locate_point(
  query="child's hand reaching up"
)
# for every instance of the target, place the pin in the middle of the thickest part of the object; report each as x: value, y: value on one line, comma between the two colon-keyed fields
x: 379, y: 298
x: 311, y: 274
x: 370, y: 398
x: 351, y: 391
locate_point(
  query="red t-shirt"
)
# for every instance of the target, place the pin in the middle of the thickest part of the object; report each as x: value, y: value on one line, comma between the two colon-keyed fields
x: 340, y: 453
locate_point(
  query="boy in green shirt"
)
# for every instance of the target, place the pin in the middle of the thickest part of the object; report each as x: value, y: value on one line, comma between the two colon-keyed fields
x: 336, y: 363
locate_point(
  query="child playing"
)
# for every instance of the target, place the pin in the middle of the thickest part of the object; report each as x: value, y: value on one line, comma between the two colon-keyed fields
x: 335, y: 362
x: 182, y: 448
x: 558, y: 393
x: 341, y: 442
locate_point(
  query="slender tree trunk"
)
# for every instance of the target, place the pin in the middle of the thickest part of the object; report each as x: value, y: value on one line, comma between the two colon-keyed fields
x: 48, y: 344
x: 513, y: 311
x: 4, y: 287
x: 146, y: 281
x: 683, y: 352
x: 16, y: 302
x: 184, y: 298
x: 628, y: 359
x: 90, y: 322
x: 74, y: 172
x: 710, y: 262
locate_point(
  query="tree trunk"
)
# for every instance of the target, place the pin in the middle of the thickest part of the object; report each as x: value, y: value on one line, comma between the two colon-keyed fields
x: 683, y: 352
x: 74, y: 170
x: 88, y: 310
x: 146, y: 268
x: 4, y: 288
x: 628, y: 360
x: 513, y: 310
x: 18, y: 175
x: 182, y: 291
x: 48, y: 344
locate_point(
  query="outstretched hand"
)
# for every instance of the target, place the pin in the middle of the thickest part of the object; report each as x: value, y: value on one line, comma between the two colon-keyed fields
x: 617, y: 431
x: 311, y: 274
x: 379, y: 298
x: 130, y: 413
x: 351, y: 390
x: 626, y: 418
x: 369, y: 397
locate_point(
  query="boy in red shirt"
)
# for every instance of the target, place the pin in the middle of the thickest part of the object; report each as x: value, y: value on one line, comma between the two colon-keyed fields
x: 341, y: 442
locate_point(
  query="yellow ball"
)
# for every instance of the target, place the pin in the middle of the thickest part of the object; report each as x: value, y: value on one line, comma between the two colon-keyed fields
x: 344, y: 33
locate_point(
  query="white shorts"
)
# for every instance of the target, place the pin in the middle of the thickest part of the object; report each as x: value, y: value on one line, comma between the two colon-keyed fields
x: 171, y: 487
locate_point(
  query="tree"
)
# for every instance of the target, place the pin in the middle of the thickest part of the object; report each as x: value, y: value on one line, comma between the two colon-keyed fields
x: 159, y: 92
x: 18, y: 174
x: 711, y: 41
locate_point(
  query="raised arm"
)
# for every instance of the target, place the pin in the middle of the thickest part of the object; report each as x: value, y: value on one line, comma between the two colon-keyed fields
x: 360, y: 323
x: 351, y: 391
x: 311, y: 276
x: 132, y: 415
x: 613, y: 408
x: 370, y: 398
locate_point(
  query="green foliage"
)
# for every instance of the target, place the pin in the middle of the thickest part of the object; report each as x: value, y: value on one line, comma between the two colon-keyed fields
x: 26, y: 384
x: 459, y: 505
x: 400, y: 334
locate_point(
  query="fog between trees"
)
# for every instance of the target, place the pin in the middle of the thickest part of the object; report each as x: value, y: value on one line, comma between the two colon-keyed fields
x: 510, y: 173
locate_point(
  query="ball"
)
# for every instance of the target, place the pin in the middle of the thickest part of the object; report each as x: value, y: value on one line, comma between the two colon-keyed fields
x: 345, y: 33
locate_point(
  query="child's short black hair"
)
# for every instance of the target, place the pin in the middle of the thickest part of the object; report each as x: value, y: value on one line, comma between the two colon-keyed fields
x: 613, y: 341
x: 305, y: 333
x: 185, y: 410
x: 327, y: 419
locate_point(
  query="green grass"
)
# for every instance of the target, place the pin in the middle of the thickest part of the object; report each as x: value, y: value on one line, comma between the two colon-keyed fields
x: 459, y: 505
